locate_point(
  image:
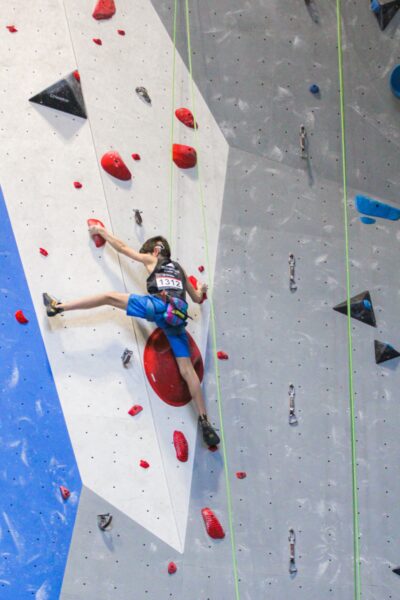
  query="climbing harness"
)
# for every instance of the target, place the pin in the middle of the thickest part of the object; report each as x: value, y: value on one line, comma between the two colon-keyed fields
x: 175, y: 313
x: 292, y: 415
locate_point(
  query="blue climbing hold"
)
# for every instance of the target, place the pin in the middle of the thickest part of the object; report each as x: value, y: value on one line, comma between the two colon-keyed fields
x: 375, y: 6
x: 374, y: 208
x: 367, y: 304
x: 314, y: 89
x: 395, y: 81
x: 367, y: 220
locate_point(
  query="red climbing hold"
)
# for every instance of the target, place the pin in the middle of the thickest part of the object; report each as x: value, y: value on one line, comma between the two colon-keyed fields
x: 241, y: 474
x: 213, y: 526
x: 121, y: 32
x: 12, y: 28
x: 98, y: 239
x: 181, y: 446
x: 98, y: 41
x: 65, y: 493
x: 77, y: 185
x: 136, y: 156
x: 21, y: 318
x: 144, y: 464
x: 104, y: 9
x: 183, y: 156
x: 185, y: 116
x: 135, y: 410
x: 222, y: 355
x: 162, y: 370
x: 194, y: 282
x: 201, y: 269
x: 77, y: 76
x: 113, y: 164
x: 172, y: 568
x: 43, y: 251
x: 213, y: 448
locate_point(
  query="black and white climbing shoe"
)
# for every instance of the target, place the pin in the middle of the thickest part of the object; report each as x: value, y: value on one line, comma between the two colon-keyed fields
x: 51, y: 305
x: 210, y: 436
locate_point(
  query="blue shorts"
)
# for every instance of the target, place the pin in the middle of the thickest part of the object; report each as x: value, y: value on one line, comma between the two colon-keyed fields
x: 177, y: 336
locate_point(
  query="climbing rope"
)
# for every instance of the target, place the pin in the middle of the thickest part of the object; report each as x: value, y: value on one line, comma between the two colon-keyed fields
x: 356, y: 526
x: 208, y: 264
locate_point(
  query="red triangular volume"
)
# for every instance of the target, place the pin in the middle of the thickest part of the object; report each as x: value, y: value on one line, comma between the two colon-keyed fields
x: 183, y: 156
x: 181, y: 446
x: 65, y: 493
x: 98, y: 239
x: 104, y: 9
x: 213, y: 526
x: 186, y: 117
x: 113, y: 164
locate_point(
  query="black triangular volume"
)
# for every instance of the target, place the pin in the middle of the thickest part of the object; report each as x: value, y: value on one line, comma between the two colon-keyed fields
x: 396, y: 570
x: 360, y: 307
x: 65, y: 95
x: 385, y: 11
x: 384, y: 352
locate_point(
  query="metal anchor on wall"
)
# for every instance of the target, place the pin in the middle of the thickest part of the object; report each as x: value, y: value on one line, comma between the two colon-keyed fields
x: 292, y: 415
x: 104, y: 521
x: 303, y: 142
x: 292, y: 264
x: 292, y: 552
x: 138, y: 216
x: 144, y: 94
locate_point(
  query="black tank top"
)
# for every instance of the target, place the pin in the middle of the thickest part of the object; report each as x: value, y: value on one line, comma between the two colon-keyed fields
x: 167, y: 276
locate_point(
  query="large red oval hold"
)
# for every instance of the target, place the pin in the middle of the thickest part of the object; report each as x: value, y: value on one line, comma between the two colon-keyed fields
x: 185, y: 116
x: 162, y: 370
x: 113, y: 164
x: 104, y: 9
x: 97, y: 238
x: 183, y: 156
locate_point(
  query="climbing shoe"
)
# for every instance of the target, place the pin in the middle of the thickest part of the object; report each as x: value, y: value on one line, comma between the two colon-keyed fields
x: 51, y: 305
x: 210, y: 436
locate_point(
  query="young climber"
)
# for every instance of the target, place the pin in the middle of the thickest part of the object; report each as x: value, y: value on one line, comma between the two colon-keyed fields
x: 165, y: 304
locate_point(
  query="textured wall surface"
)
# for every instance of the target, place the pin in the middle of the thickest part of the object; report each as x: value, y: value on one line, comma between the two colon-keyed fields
x: 253, y: 63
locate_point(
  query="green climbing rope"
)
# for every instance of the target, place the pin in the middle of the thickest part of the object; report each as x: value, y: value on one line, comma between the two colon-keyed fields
x: 208, y: 263
x: 356, y: 527
x: 171, y: 171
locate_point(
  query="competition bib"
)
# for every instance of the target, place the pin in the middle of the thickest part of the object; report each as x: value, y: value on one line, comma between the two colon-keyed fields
x: 168, y: 283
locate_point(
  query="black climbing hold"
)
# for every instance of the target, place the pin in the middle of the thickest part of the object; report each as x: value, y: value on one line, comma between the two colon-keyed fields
x: 396, y: 570
x: 65, y: 95
x: 104, y: 521
x: 384, y: 352
x: 384, y: 11
x: 360, y: 308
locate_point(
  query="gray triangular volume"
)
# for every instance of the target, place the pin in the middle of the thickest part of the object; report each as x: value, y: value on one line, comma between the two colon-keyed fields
x: 360, y: 308
x: 396, y: 570
x: 65, y: 95
x: 384, y: 352
x: 385, y: 11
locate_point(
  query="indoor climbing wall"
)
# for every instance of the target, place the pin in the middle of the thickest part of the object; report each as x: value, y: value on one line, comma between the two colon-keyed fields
x: 284, y: 467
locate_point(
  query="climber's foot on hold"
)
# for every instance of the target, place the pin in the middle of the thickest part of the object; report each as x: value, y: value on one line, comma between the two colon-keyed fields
x: 210, y: 436
x: 51, y: 305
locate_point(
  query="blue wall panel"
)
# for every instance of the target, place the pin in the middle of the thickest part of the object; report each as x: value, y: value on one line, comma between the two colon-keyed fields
x: 36, y: 455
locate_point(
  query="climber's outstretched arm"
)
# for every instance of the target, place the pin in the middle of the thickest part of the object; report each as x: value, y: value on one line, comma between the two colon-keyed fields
x: 120, y: 246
